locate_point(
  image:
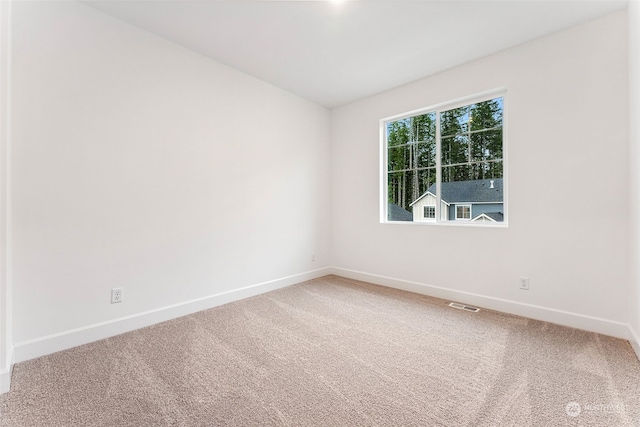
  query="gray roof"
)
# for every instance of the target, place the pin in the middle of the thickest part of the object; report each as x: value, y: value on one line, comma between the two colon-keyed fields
x: 397, y: 213
x: 476, y: 191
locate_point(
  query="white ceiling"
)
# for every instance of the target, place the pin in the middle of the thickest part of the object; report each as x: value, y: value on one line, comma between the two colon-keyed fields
x: 333, y: 53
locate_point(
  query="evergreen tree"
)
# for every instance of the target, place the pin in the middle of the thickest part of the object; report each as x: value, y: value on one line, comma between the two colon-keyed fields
x: 454, y: 144
x: 410, y: 158
x: 486, y: 139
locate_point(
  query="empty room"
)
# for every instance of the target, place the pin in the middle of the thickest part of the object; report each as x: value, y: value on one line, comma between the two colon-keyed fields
x: 319, y: 213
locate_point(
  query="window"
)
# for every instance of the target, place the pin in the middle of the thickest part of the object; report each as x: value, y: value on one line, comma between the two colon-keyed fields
x: 444, y: 163
x: 429, y: 212
x: 463, y: 212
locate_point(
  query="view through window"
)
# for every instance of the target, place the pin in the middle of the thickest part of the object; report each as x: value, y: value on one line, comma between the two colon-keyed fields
x: 447, y: 164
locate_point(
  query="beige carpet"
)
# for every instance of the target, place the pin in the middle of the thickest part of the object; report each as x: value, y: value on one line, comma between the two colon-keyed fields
x: 334, y: 352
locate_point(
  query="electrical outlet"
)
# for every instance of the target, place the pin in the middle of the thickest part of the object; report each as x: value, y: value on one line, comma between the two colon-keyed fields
x: 116, y: 295
x: 524, y: 283
x: 313, y: 257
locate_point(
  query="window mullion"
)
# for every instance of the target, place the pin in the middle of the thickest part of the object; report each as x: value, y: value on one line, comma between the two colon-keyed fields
x: 438, y: 167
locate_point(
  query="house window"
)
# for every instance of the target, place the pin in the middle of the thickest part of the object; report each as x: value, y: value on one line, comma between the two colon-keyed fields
x: 463, y: 212
x: 443, y: 162
x: 429, y: 212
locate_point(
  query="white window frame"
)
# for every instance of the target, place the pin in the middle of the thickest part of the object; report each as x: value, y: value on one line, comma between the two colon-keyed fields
x: 462, y: 205
x: 438, y: 108
x: 424, y: 212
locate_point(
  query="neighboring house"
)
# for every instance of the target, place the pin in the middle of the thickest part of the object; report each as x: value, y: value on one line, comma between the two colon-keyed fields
x: 479, y: 200
x: 397, y: 213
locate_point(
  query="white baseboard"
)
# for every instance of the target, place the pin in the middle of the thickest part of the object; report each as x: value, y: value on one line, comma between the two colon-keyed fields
x: 561, y: 317
x: 5, y: 374
x: 634, y: 340
x: 68, y: 339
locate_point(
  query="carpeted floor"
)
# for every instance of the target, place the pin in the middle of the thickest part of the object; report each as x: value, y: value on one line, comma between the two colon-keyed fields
x: 334, y: 352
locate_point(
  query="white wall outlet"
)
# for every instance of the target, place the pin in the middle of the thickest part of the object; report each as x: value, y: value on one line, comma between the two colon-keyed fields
x: 313, y: 257
x: 116, y: 295
x: 524, y: 283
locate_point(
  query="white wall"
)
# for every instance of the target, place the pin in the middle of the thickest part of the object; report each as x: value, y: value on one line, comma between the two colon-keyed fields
x: 134, y: 161
x: 5, y: 200
x: 567, y: 134
x: 634, y: 114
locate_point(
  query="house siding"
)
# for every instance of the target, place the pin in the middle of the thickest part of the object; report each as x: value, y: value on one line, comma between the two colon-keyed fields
x: 476, y: 209
x: 428, y: 200
x: 486, y: 208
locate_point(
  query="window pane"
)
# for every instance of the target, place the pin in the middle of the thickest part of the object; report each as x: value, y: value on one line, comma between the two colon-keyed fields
x: 487, y: 114
x: 483, y: 197
x: 404, y: 188
x: 429, y: 212
x: 463, y: 212
x: 411, y: 161
x: 412, y: 129
x: 398, y: 132
x: 487, y: 170
x: 424, y: 127
x: 426, y: 154
x: 455, y: 121
x: 411, y: 143
x: 426, y: 178
x: 399, y: 188
x: 471, y: 158
x: 486, y: 145
x: 412, y: 156
x: 473, y: 171
x: 455, y: 149
x: 456, y: 173
x: 398, y: 158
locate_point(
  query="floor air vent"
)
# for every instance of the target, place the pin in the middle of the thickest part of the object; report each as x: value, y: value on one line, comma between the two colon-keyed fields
x: 463, y: 307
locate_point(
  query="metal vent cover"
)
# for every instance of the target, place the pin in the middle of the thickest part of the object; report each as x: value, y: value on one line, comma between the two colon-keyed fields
x: 463, y: 307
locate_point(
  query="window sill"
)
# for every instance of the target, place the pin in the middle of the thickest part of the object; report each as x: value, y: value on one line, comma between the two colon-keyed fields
x: 458, y: 223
